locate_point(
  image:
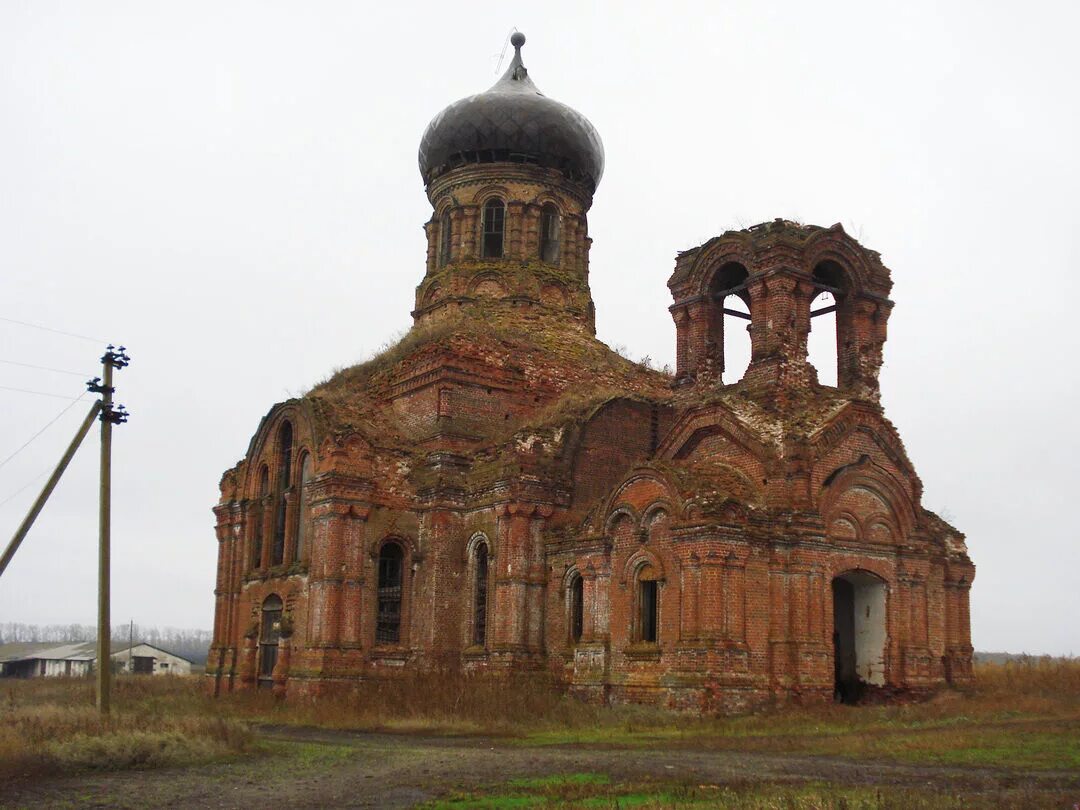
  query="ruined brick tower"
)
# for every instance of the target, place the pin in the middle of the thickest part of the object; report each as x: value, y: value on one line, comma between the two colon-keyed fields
x: 501, y: 491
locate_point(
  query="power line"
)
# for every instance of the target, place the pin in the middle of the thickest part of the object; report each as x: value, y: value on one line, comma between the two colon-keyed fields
x: 23, y: 488
x: 70, y: 405
x: 28, y: 391
x: 45, y: 368
x: 54, y: 331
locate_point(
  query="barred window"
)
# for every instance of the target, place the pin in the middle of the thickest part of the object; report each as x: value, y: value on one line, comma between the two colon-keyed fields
x: 549, y: 234
x: 480, y: 595
x: 577, y: 608
x: 446, y: 239
x: 391, y: 570
x: 494, y: 224
x: 648, y: 612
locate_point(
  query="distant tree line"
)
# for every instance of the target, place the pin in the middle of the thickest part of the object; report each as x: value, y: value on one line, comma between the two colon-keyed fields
x: 190, y: 644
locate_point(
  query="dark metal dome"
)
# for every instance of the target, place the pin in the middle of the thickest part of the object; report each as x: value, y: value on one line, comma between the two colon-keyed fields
x: 513, y: 121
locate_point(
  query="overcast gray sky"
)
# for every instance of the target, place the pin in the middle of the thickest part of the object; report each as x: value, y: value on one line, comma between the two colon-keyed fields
x: 231, y: 190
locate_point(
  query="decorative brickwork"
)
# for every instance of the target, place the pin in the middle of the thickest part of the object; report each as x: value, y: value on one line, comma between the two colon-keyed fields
x: 501, y: 491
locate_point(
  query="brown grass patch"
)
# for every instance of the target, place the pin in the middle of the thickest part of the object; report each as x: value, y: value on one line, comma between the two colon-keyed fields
x: 52, y: 725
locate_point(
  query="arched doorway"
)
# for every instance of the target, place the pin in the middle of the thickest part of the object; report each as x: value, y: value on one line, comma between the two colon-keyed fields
x: 859, y: 634
x: 269, y: 637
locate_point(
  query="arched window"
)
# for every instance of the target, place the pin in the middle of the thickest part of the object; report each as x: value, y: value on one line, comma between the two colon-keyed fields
x: 823, y: 342
x: 277, y: 550
x: 480, y: 595
x: 494, y: 225
x: 391, y: 572
x: 284, y: 450
x: 728, y: 334
x: 446, y: 239
x: 549, y: 234
x: 269, y: 637
x: 648, y: 613
x: 258, y: 515
x: 302, y: 511
x: 284, y: 480
x: 577, y: 608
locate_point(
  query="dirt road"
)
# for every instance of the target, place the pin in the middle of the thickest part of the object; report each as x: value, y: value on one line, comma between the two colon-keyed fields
x: 309, y: 768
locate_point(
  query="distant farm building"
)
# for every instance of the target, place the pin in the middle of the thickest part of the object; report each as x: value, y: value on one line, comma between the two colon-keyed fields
x: 74, y: 659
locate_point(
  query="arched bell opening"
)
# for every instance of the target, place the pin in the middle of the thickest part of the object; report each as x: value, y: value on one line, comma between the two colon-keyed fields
x: 859, y: 634
x: 823, y: 342
x: 729, y: 322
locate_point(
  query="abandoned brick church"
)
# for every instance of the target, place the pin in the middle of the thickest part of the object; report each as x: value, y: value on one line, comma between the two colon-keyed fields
x: 501, y: 491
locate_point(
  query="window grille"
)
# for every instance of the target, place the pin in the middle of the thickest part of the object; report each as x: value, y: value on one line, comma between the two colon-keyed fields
x: 494, y: 224
x: 388, y: 620
x: 577, y: 608
x: 446, y: 239
x: 549, y: 234
x: 480, y: 596
x: 647, y: 596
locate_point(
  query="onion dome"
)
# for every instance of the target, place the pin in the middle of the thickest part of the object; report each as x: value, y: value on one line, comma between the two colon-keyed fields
x: 513, y: 122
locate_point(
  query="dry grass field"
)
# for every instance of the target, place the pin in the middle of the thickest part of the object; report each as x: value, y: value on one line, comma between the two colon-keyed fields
x: 1014, y: 738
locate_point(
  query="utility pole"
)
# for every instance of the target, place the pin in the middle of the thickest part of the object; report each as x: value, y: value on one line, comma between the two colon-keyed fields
x: 50, y: 485
x: 112, y: 359
x: 131, y: 642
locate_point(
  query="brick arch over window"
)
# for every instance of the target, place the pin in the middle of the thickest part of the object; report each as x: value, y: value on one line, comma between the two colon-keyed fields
x: 642, y: 557
x: 644, y: 576
x: 479, y: 555
x: 863, y: 502
x: 726, y: 251
x: 487, y: 285
x: 574, y: 597
x: 639, y: 490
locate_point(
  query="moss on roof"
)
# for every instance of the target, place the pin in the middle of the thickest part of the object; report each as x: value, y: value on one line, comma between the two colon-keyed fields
x: 541, y: 353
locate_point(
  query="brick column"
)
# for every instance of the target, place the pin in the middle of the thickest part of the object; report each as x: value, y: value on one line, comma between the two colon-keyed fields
x: 537, y: 582
x: 326, y: 578
x: 697, y: 359
x: 711, y: 606
x: 514, y: 234
x: 459, y: 225
x: 266, y: 515
x: 691, y: 599
x: 431, y: 231
x: 530, y: 232
x: 470, y: 233
x: 287, y: 554
x: 682, y: 336
x: 571, y: 250
x: 351, y: 597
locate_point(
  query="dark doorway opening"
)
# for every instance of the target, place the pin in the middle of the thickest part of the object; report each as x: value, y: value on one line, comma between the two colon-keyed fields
x: 858, y: 635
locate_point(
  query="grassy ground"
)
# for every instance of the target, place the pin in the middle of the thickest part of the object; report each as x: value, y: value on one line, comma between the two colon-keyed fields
x: 589, y: 790
x: 1023, y: 714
